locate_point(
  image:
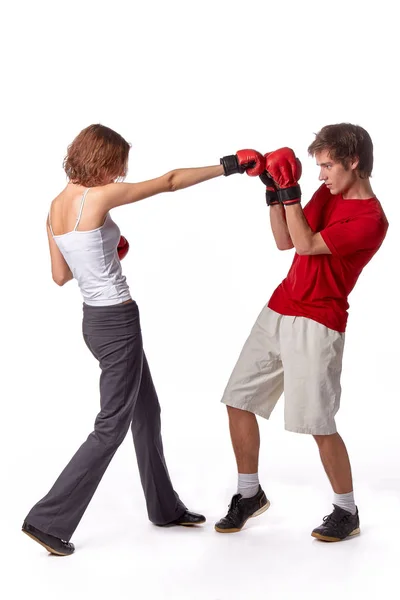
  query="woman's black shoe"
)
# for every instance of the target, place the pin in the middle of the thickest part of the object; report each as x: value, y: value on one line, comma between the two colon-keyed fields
x: 52, y: 544
x: 187, y: 519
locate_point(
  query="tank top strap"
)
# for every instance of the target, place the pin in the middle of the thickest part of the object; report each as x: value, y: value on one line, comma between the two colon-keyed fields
x: 49, y: 219
x: 81, y: 208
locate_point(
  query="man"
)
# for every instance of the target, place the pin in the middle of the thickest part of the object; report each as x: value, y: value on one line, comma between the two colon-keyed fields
x: 296, y: 344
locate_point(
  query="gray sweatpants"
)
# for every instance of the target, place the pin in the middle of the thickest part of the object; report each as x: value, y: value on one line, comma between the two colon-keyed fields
x: 127, y: 398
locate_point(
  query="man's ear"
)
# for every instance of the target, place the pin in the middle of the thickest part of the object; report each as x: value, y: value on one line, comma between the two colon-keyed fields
x: 354, y: 162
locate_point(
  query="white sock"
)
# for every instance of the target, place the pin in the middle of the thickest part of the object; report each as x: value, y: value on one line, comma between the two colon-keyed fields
x: 345, y: 501
x: 248, y: 484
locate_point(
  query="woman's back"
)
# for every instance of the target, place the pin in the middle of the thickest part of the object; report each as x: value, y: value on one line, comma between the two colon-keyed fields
x: 65, y: 208
x: 88, y: 241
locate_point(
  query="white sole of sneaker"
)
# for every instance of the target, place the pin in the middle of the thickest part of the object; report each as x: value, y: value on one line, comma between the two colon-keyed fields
x: 327, y: 538
x: 255, y: 514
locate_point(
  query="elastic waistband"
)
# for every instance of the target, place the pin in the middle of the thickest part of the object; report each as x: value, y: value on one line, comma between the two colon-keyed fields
x: 110, y: 320
x: 108, y: 309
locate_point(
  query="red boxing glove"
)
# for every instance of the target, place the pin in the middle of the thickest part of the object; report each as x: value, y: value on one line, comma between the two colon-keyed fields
x: 271, y: 195
x: 123, y: 247
x: 285, y: 169
x: 250, y: 161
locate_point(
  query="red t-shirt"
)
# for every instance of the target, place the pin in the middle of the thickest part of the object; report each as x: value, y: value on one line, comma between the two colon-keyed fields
x: 317, y: 286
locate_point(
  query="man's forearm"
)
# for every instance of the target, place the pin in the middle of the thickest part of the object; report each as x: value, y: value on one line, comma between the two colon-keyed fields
x: 299, y: 230
x: 279, y: 227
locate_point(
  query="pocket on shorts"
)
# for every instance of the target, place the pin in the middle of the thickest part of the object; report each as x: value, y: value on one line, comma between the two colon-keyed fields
x: 268, y: 321
x: 337, y: 347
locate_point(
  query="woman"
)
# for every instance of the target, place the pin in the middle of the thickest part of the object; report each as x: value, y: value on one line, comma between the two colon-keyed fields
x: 83, y: 241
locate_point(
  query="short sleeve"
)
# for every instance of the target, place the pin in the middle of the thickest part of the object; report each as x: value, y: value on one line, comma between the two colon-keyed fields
x: 313, y: 209
x: 354, y: 235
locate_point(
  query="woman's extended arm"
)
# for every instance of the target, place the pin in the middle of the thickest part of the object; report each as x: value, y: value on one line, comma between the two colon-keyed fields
x: 118, y: 194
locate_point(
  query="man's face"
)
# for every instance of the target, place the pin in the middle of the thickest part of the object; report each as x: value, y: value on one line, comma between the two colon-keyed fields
x: 336, y: 178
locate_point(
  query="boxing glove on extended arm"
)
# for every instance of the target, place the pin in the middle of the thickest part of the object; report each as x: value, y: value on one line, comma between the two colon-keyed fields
x: 250, y: 161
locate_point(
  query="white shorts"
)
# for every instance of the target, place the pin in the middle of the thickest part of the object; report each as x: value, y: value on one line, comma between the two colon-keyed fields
x: 294, y: 355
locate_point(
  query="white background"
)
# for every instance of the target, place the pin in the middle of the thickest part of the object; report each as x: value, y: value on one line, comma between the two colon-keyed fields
x: 187, y: 83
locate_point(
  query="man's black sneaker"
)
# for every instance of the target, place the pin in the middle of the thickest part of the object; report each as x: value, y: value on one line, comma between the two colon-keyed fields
x: 52, y: 544
x: 337, y: 526
x: 241, y: 509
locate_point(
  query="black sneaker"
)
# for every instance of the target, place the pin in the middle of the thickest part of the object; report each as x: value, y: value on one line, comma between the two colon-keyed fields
x: 337, y: 526
x: 240, y: 510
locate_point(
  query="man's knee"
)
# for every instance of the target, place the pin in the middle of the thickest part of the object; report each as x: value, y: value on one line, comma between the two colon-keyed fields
x: 323, y: 439
x: 237, y: 414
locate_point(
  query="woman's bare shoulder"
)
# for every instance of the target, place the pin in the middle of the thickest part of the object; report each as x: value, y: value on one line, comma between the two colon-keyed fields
x: 65, y: 208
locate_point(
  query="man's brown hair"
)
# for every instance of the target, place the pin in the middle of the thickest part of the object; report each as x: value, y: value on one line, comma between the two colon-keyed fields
x: 346, y: 142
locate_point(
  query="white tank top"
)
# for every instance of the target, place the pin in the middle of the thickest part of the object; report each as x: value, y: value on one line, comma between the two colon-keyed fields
x: 93, y: 259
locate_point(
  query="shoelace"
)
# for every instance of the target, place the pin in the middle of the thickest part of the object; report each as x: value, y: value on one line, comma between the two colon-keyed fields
x: 336, y: 521
x: 233, y: 511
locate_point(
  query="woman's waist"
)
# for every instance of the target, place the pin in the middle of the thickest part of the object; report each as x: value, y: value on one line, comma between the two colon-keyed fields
x: 111, y: 319
x: 105, y: 291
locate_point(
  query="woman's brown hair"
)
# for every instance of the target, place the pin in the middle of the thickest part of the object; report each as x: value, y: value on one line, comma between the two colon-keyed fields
x: 98, y: 155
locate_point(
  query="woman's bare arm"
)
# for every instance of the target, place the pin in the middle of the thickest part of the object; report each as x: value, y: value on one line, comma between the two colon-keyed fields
x: 59, y: 269
x: 118, y: 194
